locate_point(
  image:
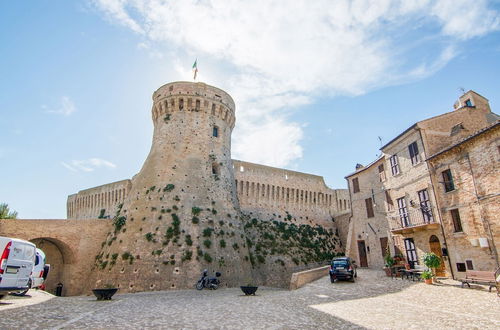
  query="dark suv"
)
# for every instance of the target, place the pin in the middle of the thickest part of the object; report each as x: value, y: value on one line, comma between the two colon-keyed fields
x: 343, y: 268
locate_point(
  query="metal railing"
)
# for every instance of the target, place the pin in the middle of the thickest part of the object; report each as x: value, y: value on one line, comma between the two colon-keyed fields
x: 411, y: 218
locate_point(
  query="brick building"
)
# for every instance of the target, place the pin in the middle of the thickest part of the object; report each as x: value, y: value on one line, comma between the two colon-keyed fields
x: 411, y: 206
x: 467, y: 180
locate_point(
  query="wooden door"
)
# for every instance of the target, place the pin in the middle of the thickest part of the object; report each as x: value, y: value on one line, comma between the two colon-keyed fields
x: 363, y: 261
x: 384, y: 245
x: 436, y: 249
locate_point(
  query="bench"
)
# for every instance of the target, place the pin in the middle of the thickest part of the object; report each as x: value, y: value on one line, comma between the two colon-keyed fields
x: 481, y: 277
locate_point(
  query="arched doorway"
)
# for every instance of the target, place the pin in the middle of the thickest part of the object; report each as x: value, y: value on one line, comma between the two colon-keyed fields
x: 54, y: 255
x: 436, y: 249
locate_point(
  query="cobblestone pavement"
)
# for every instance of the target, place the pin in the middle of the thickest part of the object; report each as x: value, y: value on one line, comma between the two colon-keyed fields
x: 374, y: 301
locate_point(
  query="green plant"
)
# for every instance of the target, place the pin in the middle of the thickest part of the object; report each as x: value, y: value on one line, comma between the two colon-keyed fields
x: 195, y: 220
x: 389, y: 261
x: 166, y: 118
x: 222, y: 243
x: 432, y: 261
x: 149, y: 237
x: 187, y: 255
x: 207, y: 232
x: 426, y: 275
x: 119, y: 222
x: 188, y: 240
x: 168, y: 187
x: 126, y: 255
x: 6, y: 213
x: 196, y: 210
x: 207, y: 257
x: 207, y: 243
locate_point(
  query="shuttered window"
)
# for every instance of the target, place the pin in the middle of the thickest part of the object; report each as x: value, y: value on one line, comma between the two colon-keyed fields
x: 369, y: 208
x: 394, y: 164
x: 413, y: 149
x: 355, y: 185
x: 448, y: 181
x: 457, y: 223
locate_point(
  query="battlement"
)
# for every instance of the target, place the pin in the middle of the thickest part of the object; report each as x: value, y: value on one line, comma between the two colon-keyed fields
x: 192, y: 97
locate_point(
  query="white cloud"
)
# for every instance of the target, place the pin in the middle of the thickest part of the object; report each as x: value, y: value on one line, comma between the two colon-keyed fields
x: 279, y: 54
x: 66, y: 107
x: 87, y: 165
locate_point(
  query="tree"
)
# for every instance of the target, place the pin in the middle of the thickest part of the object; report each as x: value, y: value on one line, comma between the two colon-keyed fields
x: 432, y: 261
x: 6, y: 213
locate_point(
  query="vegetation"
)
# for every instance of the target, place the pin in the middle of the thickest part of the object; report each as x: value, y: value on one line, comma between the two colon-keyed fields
x: 426, y: 275
x: 195, y: 220
x: 207, y: 243
x: 222, y: 243
x: 6, y: 213
x: 168, y: 187
x: 196, y: 210
x: 207, y: 257
x: 432, y: 261
x: 389, y: 261
x: 187, y: 255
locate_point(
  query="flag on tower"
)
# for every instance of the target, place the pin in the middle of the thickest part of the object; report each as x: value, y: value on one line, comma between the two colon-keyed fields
x: 195, y: 69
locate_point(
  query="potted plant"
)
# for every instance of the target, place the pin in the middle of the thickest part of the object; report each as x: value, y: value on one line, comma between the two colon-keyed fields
x: 106, y: 292
x: 389, y: 262
x: 427, y: 276
x: 432, y: 261
x: 249, y: 289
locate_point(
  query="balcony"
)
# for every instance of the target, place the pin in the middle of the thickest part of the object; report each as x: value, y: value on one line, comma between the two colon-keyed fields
x: 412, y: 221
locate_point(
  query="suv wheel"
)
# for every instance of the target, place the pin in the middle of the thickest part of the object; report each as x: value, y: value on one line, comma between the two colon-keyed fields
x: 332, y: 280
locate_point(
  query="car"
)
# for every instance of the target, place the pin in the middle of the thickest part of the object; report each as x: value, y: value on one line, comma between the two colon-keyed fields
x: 17, y: 259
x: 39, y: 273
x: 343, y: 268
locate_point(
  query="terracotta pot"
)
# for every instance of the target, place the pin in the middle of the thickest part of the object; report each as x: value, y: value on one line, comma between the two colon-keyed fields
x: 428, y: 281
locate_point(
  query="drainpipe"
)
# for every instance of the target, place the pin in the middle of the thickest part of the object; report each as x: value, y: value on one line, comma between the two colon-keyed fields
x: 485, y: 221
x: 437, y: 206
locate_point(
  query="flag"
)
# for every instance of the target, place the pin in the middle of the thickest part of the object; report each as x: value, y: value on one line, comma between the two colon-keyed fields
x: 195, y: 69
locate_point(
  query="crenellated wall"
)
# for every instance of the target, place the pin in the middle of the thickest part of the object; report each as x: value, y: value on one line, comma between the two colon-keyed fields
x: 271, y: 193
x: 88, y: 203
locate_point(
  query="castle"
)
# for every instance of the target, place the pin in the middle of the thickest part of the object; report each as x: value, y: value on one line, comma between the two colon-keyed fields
x: 192, y: 207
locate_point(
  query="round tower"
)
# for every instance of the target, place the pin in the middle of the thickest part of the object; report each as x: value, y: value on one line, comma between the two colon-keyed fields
x: 181, y: 214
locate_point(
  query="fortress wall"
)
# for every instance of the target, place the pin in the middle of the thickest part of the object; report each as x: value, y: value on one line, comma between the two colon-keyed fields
x: 88, y: 203
x: 272, y: 192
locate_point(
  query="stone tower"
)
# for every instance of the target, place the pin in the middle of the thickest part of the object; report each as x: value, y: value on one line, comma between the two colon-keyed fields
x: 182, y: 213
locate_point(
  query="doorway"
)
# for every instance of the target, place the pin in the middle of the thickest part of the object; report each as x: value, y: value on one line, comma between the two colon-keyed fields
x: 411, y: 252
x: 363, y: 261
x: 435, y: 246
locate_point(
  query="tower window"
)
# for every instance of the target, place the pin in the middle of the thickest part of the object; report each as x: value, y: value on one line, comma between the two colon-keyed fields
x: 197, y: 106
x: 215, y: 131
x: 468, y: 103
x: 215, y: 169
x: 394, y: 164
x: 181, y: 104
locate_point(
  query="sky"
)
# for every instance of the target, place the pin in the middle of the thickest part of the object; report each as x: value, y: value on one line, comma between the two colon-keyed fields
x: 316, y: 83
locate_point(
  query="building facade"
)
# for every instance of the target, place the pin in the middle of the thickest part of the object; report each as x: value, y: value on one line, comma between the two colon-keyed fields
x: 369, y: 237
x: 467, y: 180
x: 412, y: 211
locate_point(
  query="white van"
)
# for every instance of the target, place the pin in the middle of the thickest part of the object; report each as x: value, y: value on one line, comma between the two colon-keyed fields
x: 17, y: 258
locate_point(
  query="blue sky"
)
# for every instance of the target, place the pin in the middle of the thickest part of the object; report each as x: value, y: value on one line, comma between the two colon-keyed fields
x: 319, y: 80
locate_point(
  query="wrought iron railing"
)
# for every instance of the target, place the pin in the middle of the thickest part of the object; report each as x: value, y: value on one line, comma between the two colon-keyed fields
x: 411, y: 218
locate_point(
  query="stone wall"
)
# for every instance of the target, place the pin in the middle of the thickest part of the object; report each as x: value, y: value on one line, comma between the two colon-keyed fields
x: 70, y: 247
x: 101, y: 201
x: 476, y: 197
x: 273, y: 193
x: 302, y: 278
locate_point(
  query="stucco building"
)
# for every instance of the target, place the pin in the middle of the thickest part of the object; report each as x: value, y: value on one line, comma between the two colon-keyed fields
x: 411, y: 206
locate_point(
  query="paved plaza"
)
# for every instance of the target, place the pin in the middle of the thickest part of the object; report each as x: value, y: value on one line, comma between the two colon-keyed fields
x: 374, y: 301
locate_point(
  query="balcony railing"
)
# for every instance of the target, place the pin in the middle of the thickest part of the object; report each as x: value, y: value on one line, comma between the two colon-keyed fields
x: 412, y: 220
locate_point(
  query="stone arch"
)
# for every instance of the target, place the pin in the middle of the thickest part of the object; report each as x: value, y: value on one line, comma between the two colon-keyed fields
x: 60, y: 256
